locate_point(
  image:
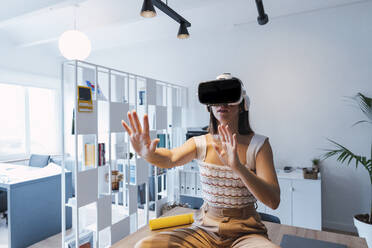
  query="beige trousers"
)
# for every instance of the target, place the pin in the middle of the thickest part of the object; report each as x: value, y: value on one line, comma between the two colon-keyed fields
x: 215, y: 227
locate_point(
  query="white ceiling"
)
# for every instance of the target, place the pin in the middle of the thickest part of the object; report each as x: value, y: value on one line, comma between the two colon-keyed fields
x: 115, y: 23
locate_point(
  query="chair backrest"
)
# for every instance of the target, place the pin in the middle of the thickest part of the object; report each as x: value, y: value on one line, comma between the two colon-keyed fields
x: 269, y: 218
x: 39, y: 160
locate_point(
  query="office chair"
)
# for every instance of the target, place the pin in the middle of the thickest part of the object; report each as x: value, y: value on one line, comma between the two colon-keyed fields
x: 3, y: 204
x: 39, y: 160
x: 269, y: 218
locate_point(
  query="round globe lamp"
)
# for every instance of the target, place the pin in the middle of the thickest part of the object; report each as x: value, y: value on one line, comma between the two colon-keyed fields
x: 74, y: 45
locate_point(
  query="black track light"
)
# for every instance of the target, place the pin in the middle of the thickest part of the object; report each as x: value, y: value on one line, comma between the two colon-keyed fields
x: 148, y: 9
x: 182, y: 31
x: 262, y: 18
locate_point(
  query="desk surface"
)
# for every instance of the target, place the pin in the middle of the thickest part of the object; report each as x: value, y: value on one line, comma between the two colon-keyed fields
x: 12, y: 174
x: 276, y: 232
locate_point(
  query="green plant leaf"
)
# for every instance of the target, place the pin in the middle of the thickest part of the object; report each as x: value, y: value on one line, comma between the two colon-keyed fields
x: 365, y: 104
x: 351, y: 158
x: 344, y: 153
x: 362, y: 121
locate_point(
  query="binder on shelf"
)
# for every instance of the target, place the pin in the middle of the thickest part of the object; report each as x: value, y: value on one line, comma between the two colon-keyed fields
x: 90, y: 156
x: 198, y: 185
x: 192, y: 176
x: 188, y: 176
x: 121, y: 149
x: 182, y: 182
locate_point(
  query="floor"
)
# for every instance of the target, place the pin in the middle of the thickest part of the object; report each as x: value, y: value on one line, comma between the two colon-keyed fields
x: 340, y: 232
x: 90, y: 216
x: 3, y: 234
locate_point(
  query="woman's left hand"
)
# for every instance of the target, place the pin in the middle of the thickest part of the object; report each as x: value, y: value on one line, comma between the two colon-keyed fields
x: 228, y: 152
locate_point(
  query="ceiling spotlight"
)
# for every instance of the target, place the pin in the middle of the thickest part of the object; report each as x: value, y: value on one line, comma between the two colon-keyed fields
x: 182, y: 31
x: 148, y: 9
x: 262, y: 18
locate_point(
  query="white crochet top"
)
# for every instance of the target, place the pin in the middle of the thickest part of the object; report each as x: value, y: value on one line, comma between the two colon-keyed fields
x: 221, y: 187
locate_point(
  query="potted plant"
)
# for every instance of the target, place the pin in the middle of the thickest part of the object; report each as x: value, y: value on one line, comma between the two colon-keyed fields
x: 316, y: 166
x: 363, y: 222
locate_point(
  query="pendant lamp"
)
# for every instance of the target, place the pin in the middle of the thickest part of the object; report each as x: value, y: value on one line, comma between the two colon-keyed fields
x: 73, y: 44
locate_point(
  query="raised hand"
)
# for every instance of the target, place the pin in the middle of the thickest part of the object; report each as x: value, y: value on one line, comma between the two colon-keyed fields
x: 140, y: 138
x: 227, y: 152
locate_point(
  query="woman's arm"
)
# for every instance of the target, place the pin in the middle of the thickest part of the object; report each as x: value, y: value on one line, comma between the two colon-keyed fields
x: 264, y: 186
x: 161, y: 157
x: 165, y: 158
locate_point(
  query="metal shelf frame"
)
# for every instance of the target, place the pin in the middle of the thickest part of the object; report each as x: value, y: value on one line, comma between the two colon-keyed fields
x: 72, y: 75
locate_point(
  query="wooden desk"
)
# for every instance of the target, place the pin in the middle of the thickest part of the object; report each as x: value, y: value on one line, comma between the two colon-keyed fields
x: 276, y: 232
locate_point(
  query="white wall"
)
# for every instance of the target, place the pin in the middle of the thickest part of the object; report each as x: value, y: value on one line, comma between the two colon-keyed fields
x: 298, y: 71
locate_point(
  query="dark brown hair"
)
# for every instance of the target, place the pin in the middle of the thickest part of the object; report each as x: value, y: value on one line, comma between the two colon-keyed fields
x: 243, y: 123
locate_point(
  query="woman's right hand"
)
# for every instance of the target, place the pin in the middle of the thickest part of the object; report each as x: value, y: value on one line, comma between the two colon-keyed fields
x: 140, y: 138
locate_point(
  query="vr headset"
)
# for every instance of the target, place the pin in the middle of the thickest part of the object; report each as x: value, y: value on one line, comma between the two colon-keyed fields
x: 224, y: 90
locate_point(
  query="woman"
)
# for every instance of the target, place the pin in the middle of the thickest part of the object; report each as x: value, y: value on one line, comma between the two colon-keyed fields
x: 236, y: 168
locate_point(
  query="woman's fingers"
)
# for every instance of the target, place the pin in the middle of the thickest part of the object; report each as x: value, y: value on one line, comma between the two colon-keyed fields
x: 127, y: 128
x: 146, y: 128
x: 153, y: 145
x: 219, y: 152
x: 223, y: 128
x: 228, y: 134
x: 220, y: 131
x: 131, y: 122
x: 216, y: 148
x: 137, y: 122
x: 235, y: 142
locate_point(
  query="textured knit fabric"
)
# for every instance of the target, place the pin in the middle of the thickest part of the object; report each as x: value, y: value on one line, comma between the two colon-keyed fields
x: 222, y: 187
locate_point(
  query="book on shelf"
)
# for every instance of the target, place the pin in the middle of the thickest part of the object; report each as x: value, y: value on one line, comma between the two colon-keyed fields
x: 101, y: 154
x: 90, y: 156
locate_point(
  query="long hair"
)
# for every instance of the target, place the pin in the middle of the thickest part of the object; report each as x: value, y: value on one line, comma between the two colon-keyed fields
x: 244, y: 127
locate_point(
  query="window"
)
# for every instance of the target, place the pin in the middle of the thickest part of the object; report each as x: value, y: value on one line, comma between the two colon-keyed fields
x: 43, y: 118
x: 28, y: 121
x: 12, y: 120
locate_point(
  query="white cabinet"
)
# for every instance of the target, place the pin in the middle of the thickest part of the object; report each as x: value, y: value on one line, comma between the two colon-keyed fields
x: 300, y: 201
x: 284, y: 211
x: 306, y: 197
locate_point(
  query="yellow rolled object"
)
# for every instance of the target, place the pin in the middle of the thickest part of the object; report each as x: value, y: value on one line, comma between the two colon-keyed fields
x: 177, y: 220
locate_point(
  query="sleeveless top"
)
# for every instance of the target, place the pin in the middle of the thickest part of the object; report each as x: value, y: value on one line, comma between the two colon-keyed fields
x: 221, y: 187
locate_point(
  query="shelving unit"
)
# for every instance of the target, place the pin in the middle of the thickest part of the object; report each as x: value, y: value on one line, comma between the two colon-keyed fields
x: 115, y: 92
